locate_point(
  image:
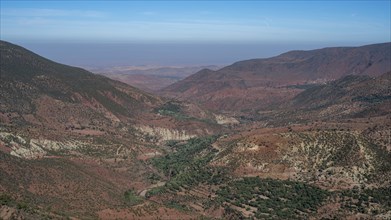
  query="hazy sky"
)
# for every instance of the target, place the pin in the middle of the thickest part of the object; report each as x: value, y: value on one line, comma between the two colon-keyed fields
x: 188, y: 32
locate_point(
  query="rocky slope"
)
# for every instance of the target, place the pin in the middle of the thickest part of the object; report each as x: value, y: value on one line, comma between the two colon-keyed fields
x: 351, y: 95
x: 348, y: 98
x: 259, y: 83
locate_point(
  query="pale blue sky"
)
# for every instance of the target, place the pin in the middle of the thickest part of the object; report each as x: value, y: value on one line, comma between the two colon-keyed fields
x: 294, y: 23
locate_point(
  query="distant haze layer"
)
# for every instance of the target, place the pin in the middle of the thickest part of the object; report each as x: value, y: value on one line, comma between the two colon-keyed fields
x: 161, y: 54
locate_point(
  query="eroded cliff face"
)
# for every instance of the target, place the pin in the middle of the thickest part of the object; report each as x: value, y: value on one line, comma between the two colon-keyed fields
x: 165, y: 134
x: 33, y: 148
x: 224, y: 120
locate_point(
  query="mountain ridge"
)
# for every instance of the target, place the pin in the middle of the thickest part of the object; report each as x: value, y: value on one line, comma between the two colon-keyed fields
x: 273, y: 75
x: 41, y: 98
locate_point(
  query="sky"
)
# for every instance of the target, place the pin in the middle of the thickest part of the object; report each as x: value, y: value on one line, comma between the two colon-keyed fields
x: 88, y: 33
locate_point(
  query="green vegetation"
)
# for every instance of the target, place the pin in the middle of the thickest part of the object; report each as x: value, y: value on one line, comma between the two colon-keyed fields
x: 131, y: 198
x: 188, y: 166
x: 195, y: 153
x: 372, y: 98
x: 367, y: 201
x: 153, y: 178
x: 175, y: 205
x: 303, y: 86
x: 172, y: 109
x: 175, y: 110
x: 156, y: 191
x: 5, y: 199
x: 273, y: 199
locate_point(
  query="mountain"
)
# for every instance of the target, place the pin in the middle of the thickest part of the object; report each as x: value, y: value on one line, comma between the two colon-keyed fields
x: 259, y: 83
x: 353, y: 97
x: 30, y: 82
x: 41, y: 94
x: 68, y: 136
x: 350, y: 96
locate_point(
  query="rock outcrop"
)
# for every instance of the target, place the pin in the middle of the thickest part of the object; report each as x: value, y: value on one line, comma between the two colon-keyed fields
x: 165, y: 133
x: 34, y: 148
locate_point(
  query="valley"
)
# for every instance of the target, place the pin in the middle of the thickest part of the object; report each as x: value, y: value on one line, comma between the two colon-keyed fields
x: 149, y: 78
x: 303, y: 135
